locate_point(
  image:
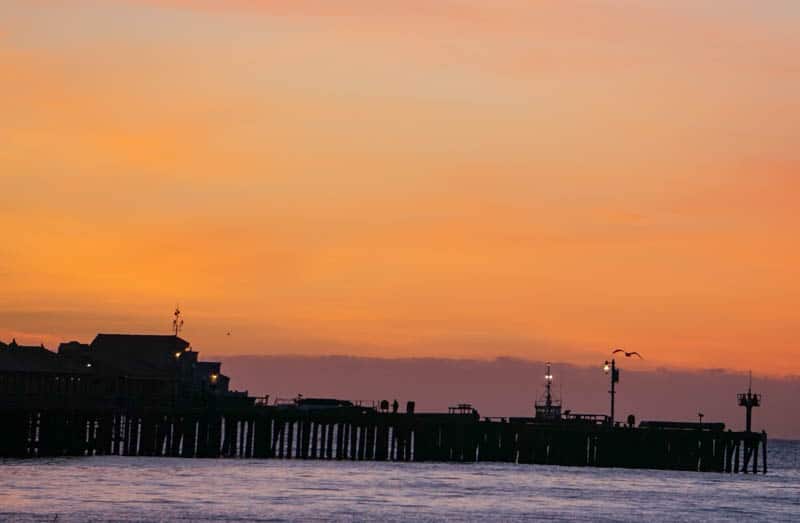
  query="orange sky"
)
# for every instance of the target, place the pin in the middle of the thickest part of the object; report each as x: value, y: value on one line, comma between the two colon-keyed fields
x: 453, y: 178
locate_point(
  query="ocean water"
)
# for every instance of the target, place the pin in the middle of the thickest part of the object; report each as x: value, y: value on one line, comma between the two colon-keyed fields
x: 174, y: 489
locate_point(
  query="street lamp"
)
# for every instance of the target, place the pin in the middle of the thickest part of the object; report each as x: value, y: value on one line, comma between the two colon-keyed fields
x: 610, y: 368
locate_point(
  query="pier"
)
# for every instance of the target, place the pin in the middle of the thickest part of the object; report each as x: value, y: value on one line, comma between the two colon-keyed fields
x: 79, y: 403
x: 367, y: 434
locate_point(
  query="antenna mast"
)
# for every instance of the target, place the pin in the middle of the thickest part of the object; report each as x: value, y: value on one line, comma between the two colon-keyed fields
x: 548, y: 378
x: 749, y: 400
x: 548, y: 410
x: 177, y: 321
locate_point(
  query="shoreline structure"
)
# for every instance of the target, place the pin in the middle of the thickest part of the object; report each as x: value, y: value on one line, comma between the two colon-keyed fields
x: 150, y: 395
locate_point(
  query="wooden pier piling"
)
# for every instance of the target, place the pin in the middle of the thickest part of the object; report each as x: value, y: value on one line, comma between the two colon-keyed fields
x: 365, y: 434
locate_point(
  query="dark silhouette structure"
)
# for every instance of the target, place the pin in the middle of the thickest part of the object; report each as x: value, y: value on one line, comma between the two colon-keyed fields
x: 114, y: 370
x: 138, y: 395
x: 748, y: 400
x: 547, y: 408
x: 613, y: 371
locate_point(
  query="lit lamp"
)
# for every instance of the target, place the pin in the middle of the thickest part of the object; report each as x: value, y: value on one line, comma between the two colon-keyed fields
x: 610, y: 368
x: 178, y: 355
x: 213, y: 379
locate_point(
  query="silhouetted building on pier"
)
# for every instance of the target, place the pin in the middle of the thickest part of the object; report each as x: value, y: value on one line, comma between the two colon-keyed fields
x: 30, y: 371
x: 114, y: 369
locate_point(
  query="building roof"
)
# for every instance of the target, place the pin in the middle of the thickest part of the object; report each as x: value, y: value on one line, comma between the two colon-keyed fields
x: 21, y: 358
x: 139, y: 342
x: 139, y: 354
x: 72, y: 345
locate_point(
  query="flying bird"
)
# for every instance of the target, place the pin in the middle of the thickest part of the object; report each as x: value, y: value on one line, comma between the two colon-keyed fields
x: 628, y: 354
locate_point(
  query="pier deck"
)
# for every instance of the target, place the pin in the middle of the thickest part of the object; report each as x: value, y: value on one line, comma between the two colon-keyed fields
x: 355, y: 433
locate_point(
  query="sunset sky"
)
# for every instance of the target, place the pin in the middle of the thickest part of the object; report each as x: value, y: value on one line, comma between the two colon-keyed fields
x: 448, y: 178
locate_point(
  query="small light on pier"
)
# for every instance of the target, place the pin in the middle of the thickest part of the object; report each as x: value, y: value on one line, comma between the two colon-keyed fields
x: 214, y: 378
x: 548, y: 409
x: 178, y: 355
x: 606, y: 367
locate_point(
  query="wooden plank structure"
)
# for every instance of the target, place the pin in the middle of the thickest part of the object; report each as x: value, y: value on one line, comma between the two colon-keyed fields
x: 150, y: 395
x: 355, y: 433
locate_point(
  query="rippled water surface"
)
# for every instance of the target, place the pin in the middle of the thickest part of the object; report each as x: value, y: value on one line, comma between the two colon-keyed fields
x: 168, y: 489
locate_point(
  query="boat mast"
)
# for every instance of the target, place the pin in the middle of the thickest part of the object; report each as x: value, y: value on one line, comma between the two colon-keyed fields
x: 548, y: 379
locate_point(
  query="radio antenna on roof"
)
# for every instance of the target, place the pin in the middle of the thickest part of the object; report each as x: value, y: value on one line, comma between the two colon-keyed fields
x: 177, y: 321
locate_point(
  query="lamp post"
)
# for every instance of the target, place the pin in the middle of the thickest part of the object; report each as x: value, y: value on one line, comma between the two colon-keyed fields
x: 612, y: 370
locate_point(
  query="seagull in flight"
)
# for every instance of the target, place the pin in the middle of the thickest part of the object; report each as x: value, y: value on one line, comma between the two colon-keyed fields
x: 627, y: 354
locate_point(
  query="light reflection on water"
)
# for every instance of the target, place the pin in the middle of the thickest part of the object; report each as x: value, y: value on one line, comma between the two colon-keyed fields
x: 152, y: 489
